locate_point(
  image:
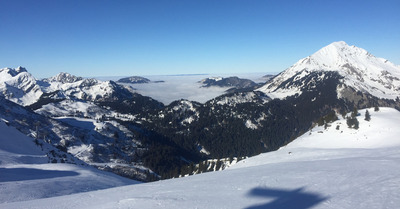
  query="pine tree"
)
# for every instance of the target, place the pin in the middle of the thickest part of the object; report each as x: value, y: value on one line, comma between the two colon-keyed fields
x: 356, y: 123
x: 349, y: 122
x: 367, y: 116
x: 354, y: 113
x: 352, y: 121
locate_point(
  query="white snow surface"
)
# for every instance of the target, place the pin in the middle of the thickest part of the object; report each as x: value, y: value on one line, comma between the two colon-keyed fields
x: 25, y: 173
x: 19, y: 86
x: 360, y: 69
x: 327, y: 169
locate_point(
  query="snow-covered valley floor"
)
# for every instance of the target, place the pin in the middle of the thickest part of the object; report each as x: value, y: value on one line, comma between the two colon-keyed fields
x: 324, y: 168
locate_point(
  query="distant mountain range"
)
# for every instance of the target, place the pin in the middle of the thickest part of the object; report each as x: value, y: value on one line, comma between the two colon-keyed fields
x: 137, y: 80
x: 110, y: 126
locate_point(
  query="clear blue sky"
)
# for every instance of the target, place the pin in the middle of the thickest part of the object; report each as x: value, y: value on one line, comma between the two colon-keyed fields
x: 116, y: 37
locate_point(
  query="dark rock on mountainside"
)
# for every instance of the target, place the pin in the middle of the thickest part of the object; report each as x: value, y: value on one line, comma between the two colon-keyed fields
x: 134, y: 79
x: 228, y: 82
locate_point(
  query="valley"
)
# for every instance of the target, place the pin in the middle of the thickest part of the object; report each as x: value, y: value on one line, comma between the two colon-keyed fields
x: 275, y: 130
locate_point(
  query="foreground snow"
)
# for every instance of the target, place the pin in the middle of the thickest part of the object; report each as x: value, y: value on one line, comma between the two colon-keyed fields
x: 332, y: 169
x: 25, y: 173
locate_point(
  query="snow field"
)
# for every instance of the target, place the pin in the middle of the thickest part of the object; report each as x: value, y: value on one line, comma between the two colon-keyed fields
x: 25, y: 173
x: 335, y: 172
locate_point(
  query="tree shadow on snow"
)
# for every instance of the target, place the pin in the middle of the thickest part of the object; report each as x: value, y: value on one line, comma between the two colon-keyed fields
x: 283, y: 199
x: 22, y: 174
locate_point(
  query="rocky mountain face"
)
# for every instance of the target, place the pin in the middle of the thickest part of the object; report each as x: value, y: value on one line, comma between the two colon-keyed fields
x: 109, y: 126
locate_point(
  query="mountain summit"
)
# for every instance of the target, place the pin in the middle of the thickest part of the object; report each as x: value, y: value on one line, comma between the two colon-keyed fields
x: 360, y: 70
x: 64, y: 78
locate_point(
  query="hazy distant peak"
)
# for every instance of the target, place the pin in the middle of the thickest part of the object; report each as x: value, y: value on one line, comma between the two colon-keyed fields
x: 134, y: 79
x: 64, y: 78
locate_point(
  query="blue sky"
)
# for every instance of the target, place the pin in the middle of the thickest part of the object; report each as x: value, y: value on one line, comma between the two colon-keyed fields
x: 123, y: 38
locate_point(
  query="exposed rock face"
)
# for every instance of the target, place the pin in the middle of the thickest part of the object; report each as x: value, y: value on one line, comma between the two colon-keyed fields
x: 228, y: 82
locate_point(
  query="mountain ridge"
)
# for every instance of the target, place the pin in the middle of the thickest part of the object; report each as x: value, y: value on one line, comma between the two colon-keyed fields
x: 360, y: 70
x: 157, y: 141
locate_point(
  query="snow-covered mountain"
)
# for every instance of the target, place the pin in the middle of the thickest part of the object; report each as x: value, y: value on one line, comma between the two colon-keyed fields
x: 74, y: 116
x: 359, y: 70
x: 325, y: 168
x: 19, y: 86
x: 110, y: 126
x: 28, y: 172
x: 63, y: 78
x: 86, y: 89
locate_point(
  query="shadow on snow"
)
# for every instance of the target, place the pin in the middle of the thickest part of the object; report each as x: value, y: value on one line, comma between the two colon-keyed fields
x: 282, y: 199
x: 21, y: 174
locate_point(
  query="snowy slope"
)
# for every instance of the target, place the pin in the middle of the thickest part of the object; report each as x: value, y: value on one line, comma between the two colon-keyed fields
x: 19, y: 86
x: 381, y: 132
x: 360, y: 70
x: 26, y: 174
x: 356, y: 169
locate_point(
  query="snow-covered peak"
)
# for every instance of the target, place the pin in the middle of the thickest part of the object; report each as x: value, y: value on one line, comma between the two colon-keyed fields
x: 360, y: 69
x: 335, y: 55
x: 338, y: 56
x: 11, y: 72
x: 64, y: 78
x: 18, y: 85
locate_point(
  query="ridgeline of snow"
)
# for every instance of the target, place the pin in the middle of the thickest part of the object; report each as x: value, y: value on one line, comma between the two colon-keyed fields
x: 19, y: 86
x: 330, y: 168
x: 63, y: 78
x: 360, y: 69
x: 26, y: 174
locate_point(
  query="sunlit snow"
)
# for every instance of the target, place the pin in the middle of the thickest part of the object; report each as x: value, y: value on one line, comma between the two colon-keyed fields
x: 325, y: 168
